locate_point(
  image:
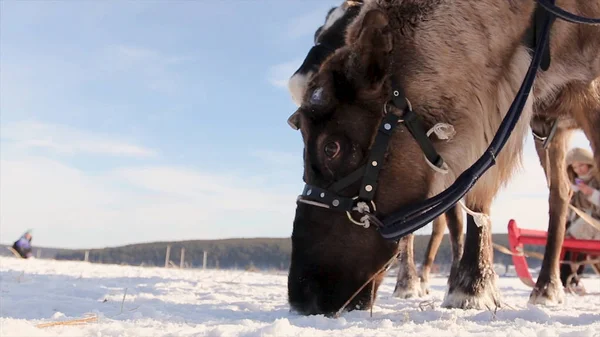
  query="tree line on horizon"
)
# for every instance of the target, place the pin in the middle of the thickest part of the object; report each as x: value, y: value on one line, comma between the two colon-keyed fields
x: 258, y: 253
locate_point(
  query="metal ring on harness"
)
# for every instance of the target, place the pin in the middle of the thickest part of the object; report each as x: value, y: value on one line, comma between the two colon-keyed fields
x: 385, y: 108
x: 364, y: 223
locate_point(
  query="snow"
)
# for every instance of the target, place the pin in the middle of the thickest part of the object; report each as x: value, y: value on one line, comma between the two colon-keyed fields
x: 195, y: 302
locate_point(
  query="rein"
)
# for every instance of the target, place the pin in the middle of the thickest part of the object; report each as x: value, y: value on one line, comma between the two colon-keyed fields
x: 408, y: 219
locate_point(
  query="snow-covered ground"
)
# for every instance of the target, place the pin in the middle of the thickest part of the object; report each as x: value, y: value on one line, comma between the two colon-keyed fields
x: 172, y: 302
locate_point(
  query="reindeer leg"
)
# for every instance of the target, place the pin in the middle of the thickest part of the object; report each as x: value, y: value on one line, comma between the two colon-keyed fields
x: 452, y: 219
x: 407, y: 282
x: 437, y: 234
x: 404, y: 281
x: 548, y: 288
x: 474, y: 283
x: 455, y: 227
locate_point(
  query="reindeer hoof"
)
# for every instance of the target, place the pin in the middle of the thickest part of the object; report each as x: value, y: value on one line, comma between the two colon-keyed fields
x: 408, y: 290
x: 484, y: 297
x: 424, y: 287
x: 547, y: 293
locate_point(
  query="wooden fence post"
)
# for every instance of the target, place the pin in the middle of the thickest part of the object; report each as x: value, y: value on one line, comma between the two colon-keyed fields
x: 182, y: 257
x: 167, y: 256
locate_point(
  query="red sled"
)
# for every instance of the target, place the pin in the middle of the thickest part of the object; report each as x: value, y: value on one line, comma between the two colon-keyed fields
x: 517, y: 237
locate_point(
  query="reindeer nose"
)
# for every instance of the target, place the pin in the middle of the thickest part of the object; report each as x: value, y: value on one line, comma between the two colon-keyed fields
x: 306, y: 299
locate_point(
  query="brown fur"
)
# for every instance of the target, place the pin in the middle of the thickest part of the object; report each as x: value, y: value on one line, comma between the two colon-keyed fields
x: 460, y: 62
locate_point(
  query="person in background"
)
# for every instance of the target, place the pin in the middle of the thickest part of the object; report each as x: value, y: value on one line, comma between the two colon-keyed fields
x: 585, y: 183
x: 23, y: 245
x: 583, y: 176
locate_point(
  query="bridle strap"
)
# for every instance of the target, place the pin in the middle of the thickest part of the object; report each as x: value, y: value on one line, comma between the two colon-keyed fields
x: 348, y: 180
x: 317, y: 196
x: 377, y: 156
x: 414, y: 124
x: 369, y: 172
x: 399, y: 96
x: 403, y: 113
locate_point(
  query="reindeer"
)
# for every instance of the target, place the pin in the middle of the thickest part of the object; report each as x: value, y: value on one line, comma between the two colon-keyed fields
x: 371, y: 157
x: 328, y: 38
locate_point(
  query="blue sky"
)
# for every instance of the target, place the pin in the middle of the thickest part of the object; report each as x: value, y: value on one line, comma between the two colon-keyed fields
x: 134, y: 121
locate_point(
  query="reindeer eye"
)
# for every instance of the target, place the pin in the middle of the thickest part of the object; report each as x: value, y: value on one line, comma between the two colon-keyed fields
x: 332, y: 149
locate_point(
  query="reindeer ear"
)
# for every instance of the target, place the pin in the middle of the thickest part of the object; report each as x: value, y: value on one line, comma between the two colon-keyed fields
x: 294, y: 121
x: 374, y: 24
x: 371, y: 51
x: 375, y: 31
x: 375, y: 18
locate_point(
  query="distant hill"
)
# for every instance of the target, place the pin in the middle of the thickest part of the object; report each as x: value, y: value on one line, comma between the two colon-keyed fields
x: 261, y: 253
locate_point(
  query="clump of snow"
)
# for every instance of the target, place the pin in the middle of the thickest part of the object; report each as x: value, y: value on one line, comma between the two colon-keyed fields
x: 142, y: 301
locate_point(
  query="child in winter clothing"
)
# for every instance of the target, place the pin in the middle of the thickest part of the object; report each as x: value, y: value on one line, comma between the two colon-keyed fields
x: 23, y: 245
x: 583, y: 176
